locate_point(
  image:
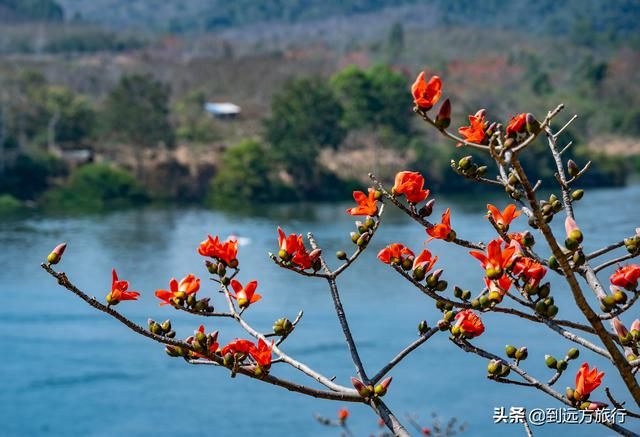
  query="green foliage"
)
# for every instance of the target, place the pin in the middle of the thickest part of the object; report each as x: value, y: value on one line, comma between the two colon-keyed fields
x: 89, y: 40
x: 374, y: 97
x: 75, y: 115
x: 29, y: 176
x: 395, y: 42
x: 244, y: 176
x: 137, y: 111
x: 194, y: 124
x: 97, y: 187
x: 305, y: 116
x: 9, y: 204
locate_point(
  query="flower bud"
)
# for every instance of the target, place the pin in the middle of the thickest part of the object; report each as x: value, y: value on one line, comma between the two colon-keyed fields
x: 111, y: 301
x: 423, y: 327
x: 493, y: 273
x: 222, y: 270
x: 475, y: 304
x: 362, y: 389
x: 419, y: 273
x: 381, y: 389
x: 282, y: 327
x: 211, y: 267
x: 465, y: 162
x: 533, y: 125
x: 427, y: 209
x: 578, y: 258
x: 544, y: 290
x: 407, y: 263
x: 56, y: 254
x: 620, y: 297
x: 284, y: 256
x: 552, y: 311
x: 562, y: 365
x: 573, y: 353
x: 482, y: 170
x: 577, y: 194
x: 173, y: 351
x: 510, y: 351
x: 443, y: 119
x: 466, y: 294
x: 166, y: 325
x: 571, y: 244
x: 595, y: 406
x: 433, y: 278
x: 528, y: 239
x: 354, y: 236
x: 494, y: 367
x: 233, y: 263
x: 550, y: 361
x: 504, y: 370
x: 619, y: 328
x: 441, y: 285
x: 572, y: 168
x: 570, y: 394
x: 451, y: 236
x: 443, y: 325
x: 522, y: 353
x: 553, y: 262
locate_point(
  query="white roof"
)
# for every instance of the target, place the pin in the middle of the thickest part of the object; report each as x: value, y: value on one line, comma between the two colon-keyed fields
x: 222, y: 108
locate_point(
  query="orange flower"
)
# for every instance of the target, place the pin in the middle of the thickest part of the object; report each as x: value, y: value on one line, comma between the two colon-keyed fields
x: 394, y: 253
x: 516, y: 125
x: 626, y: 277
x: 469, y: 323
x: 426, y: 94
x: 531, y: 270
x: 288, y: 244
x: 262, y: 354
x: 238, y: 346
x: 343, y: 414
x: 292, y: 248
x: 367, y: 205
x: 587, y: 380
x: 425, y: 261
x: 496, y: 259
x: 245, y: 295
x: 119, y: 290
x: 503, y: 219
x: 442, y: 230
x: 410, y: 183
x: 226, y: 252
x: 188, y: 285
x: 501, y: 285
x: 475, y: 132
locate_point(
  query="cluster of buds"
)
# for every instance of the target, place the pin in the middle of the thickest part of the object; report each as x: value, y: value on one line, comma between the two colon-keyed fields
x: 498, y: 369
x: 467, y: 168
x: 546, y: 307
x: 549, y: 208
x: 282, y: 327
x: 364, y: 231
x: 202, y: 342
x: 611, y: 301
x: 632, y: 244
x: 163, y: 328
x: 461, y: 294
x: 370, y: 391
x: 511, y: 186
x: 561, y: 365
x: 628, y: 337
x: 218, y: 269
x: 518, y: 354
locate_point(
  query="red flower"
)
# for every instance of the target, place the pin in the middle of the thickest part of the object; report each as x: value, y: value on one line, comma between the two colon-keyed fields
x: 119, y: 290
x: 394, y: 253
x: 245, y: 295
x: 531, y: 270
x: 517, y: 124
x: 238, y: 346
x: 442, y: 230
x: 469, y: 323
x: 475, y: 132
x: 343, y: 414
x: 626, y: 277
x: 226, y: 252
x: 425, y: 260
x: 292, y: 248
x: 587, y: 380
x: 496, y: 259
x: 501, y: 285
x: 426, y: 94
x: 262, y: 354
x: 410, y: 183
x: 367, y: 205
x: 188, y: 285
x: 503, y: 219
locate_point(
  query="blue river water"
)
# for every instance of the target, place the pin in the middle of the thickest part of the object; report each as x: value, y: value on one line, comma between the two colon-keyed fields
x: 69, y: 370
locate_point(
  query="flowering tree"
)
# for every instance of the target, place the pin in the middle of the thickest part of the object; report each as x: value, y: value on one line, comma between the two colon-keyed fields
x: 513, y: 277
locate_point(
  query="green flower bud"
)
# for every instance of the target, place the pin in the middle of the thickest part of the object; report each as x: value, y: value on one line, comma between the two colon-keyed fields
x: 465, y: 162
x: 419, y: 273
x: 233, y: 263
x: 449, y: 315
x: 341, y: 255
x: 455, y: 331
x: 578, y: 258
x: 571, y: 244
x: 573, y: 353
x: 562, y: 365
x: 407, y: 264
x: 570, y: 393
x: 442, y: 285
x: 282, y: 327
x: 423, y: 327
x: 166, y: 325
x: 482, y: 170
x: 504, y: 371
x: 577, y: 194
x: 355, y: 237
x: 620, y: 297
x: 494, y: 367
x: 522, y: 353
x: 510, y: 351
x: 551, y: 362
x: 475, y: 304
x: 466, y: 295
x: 553, y: 262
x: 572, y: 168
x: 541, y: 307
x: 576, y: 234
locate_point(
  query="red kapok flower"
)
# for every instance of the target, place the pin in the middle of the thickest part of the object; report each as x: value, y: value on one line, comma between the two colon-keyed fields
x: 626, y: 277
x: 475, y: 132
x: 426, y: 94
x: 367, y: 205
x: 119, y: 290
x: 501, y: 286
x: 517, y: 124
x: 262, y: 354
x: 343, y: 414
x: 209, y: 247
x: 238, y: 346
x: 531, y: 270
x: 245, y: 295
x: 394, y: 253
x: 425, y: 261
x: 226, y: 252
x: 503, y: 219
x: 410, y: 183
x: 469, y: 323
x: 587, y: 380
x: 188, y: 285
x: 292, y: 249
x: 496, y: 259
x: 442, y: 231
x: 287, y: 244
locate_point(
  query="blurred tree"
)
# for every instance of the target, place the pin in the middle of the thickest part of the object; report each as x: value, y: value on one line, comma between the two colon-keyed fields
x: 305, y: 116
x: 395, y: 43
x: 137, y: 112
x: 192, y: 121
